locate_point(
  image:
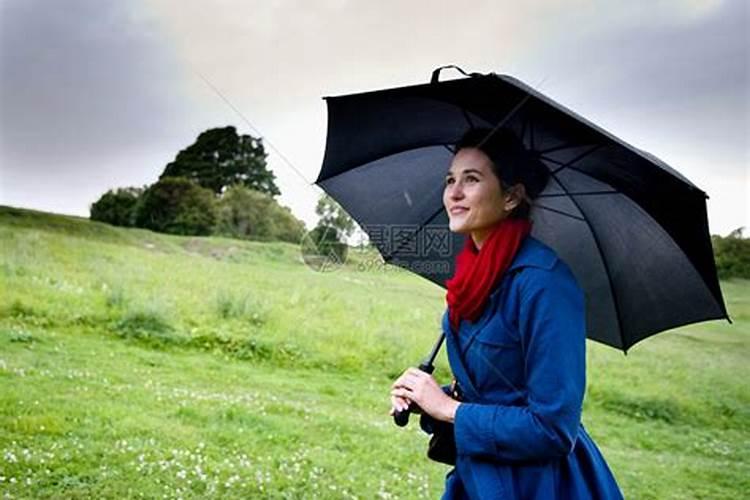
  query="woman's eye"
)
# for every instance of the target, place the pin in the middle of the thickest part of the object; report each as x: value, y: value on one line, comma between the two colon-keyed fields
x: 449, y: 181
x: 471, y: 178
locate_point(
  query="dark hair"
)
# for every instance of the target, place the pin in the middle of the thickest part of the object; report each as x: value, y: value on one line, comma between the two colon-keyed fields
x: 512, y: 163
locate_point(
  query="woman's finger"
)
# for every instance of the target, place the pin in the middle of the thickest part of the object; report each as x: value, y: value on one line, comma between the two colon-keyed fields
x: 402, y: 393
x: 399, y: 402
x: 420, y: 375
x: 409, y: 381
x: 400, y: 379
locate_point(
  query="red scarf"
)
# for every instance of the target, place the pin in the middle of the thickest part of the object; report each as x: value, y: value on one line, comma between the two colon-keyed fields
x: 477, y: 271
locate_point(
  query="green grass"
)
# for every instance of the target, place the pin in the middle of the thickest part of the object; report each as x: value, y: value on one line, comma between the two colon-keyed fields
x: 134, y: 364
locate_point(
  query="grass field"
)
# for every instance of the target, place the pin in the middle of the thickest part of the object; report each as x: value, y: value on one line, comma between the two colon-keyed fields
x: 134, y: 364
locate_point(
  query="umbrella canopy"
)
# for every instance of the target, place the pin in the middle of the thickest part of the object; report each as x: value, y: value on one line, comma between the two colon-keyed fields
x: 632, y: 229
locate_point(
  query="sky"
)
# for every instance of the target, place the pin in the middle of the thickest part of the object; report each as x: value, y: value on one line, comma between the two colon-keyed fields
x: 100, y: 94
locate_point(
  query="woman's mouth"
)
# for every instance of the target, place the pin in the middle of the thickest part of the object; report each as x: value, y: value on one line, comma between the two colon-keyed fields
x: 458, y: 210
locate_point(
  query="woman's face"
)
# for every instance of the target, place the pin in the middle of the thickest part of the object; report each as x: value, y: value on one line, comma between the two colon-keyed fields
x: 473, y: 197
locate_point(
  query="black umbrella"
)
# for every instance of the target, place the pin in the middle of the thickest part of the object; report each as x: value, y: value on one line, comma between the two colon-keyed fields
x: 633, y: 230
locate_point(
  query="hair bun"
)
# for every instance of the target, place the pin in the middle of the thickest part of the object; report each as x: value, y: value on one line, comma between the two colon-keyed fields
x: 514, y: 163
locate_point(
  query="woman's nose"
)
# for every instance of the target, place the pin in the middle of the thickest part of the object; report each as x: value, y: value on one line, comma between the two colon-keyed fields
x: 455, y: 191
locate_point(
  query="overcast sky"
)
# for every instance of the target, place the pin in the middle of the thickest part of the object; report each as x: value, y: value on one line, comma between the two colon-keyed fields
x: 98, y: 94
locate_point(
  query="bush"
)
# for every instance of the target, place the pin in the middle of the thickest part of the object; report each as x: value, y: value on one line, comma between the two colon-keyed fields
x: 248, y: 214
x: 285, y: 226
x: 732, y: 255
x: 178, y: 206
x: 148, y: 326
x: 116, y: 207
x: 230, y: 306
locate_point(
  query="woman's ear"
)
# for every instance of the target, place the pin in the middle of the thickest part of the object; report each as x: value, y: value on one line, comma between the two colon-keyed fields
x: 514, y: 196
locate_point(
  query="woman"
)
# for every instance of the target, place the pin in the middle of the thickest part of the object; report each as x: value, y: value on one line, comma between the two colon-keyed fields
x: 515, y: 335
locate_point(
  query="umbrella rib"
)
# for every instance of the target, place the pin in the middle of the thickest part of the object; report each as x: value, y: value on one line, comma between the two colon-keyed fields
x: 580, y: 171
x: 559, y: 212
x: 468, y: 118
x: 567, y: 164
x: 531, y: 135
x: 507, y: 117
x: 601, y: 254
x: 560, y: 147
x: 584, y: 193
x: 348, y: 168
x: 421, y: 226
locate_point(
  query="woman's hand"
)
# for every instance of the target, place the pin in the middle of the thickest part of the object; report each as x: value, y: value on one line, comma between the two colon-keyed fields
x: 421, y: 388
x: 398, y: 404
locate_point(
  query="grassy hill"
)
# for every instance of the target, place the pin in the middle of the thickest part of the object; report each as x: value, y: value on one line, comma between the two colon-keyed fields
x: 135, y: 364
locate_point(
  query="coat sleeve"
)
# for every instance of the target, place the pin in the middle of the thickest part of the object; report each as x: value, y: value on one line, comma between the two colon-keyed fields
x: 551, y: 323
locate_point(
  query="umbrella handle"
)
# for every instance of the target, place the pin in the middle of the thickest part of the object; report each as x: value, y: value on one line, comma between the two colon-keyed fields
x: 436, y: 73
x: 401, y: 418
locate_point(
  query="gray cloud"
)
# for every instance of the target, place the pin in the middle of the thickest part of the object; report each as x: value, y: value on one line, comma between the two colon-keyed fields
x: 82, y: 79
x: 686, y: 79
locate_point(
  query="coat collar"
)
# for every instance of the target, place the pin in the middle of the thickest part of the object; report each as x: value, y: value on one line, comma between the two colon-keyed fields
x: 533, y: 253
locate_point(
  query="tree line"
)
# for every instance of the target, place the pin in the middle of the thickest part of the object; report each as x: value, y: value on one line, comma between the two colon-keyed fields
x: 732, y: 254
x: 219, y: 185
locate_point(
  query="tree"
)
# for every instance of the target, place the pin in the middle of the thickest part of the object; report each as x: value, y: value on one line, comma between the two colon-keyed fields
x: 732, y: 254
x: 328, y: 238
x: 332, y: 215
x: 220, y: 158
x: 248, y: 214
x: 178, y: 206
x: 116, y: 207
x: 286, y: 227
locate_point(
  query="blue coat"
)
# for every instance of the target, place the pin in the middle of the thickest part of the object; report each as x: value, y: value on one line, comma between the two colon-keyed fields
x: 523, y: 373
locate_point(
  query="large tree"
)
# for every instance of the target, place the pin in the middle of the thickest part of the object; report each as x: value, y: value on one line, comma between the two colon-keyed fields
x: 220, y: 158
x: 177, y: 205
